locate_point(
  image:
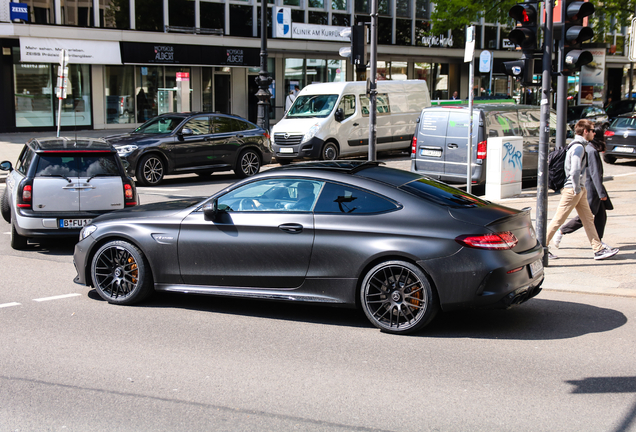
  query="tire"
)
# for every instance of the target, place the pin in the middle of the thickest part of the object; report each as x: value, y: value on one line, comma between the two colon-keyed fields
x: 284, y: 162
x: 247, y: 164
x: 397, y: 297
x: 151, y: 170
x: 121, y: 274
x: 329, y: 152
x: 18, y: 242
x: 5, y: 207
x: 609, y: 159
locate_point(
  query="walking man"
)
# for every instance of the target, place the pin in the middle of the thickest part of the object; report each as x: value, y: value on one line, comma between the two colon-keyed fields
x: 574, y: 194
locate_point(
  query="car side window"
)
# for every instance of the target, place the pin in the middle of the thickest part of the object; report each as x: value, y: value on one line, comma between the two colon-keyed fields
x: 25, y: 161
x: 240, y: 125
x: 529, y: 121
x: 198, y: 125
x: 348, y: 105
x: 222, y: 125
x: 339, y: 199
x: 273, y: 195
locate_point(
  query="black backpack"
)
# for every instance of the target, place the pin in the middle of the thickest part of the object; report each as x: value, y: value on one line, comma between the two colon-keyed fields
x: 556, y: 167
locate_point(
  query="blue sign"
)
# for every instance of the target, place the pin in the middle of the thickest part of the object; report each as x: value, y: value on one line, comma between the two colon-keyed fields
x: 19, y: 11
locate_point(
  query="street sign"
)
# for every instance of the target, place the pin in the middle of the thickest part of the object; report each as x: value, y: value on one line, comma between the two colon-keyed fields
x: 485, y: 61
x: 469, y: 54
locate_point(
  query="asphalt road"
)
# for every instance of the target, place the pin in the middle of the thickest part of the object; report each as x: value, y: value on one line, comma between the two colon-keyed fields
x: 71, y: 362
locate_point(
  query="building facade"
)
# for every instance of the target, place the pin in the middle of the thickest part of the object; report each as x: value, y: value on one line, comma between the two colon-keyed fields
x: 130, y: 60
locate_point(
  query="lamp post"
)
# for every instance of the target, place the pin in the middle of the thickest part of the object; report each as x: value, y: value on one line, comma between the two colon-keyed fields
x: 263, y: 80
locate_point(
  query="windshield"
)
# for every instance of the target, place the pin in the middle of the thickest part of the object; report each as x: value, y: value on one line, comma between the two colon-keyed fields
x: 312, y: 106
x: 624, y: 123
x: 575, y: 112
x: 160, y: 125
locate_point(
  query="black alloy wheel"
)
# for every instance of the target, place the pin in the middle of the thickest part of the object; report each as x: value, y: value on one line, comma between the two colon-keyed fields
x: 5, y: 207
x: 151, y: 170
x: 397, y: 297
x: 329, y: 152
x: 121, y: 274
x: 248, y: 164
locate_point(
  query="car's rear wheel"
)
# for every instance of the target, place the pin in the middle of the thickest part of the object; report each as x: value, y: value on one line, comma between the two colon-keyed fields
x: 5, y: 207
x: 248, y: 164
x: 329, y: 152
x: 397, y: 297
x: 609, y: 159
x: 121, y: 274
x: 151, y: 170
x: 18, y: 242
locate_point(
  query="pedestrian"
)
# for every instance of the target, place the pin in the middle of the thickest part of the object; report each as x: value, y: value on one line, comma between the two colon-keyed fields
x: 289, y: 100
x: 455, y: 95
x: 574, y: 193
x: 296, y: 90
x: 597, y: 197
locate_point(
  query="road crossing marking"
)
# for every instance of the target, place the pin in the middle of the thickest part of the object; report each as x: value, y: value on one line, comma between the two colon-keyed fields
x: 9, y: 304
x: 57, y: 297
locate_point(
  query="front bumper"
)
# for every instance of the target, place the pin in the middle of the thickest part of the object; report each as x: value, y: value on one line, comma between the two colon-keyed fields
x: 307, y: 150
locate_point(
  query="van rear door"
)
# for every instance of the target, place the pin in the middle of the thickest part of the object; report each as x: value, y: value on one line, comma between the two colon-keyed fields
x: 431, y: 140
x: 456, y: 142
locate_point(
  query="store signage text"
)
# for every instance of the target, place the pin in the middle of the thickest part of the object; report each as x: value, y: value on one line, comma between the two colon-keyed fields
x: 438, y: 41
x: 164, y: 53
x: 317, y: 32
x: 234, y: 56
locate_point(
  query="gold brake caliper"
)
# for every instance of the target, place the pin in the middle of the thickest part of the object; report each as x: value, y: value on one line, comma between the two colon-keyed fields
x: 134, y: 272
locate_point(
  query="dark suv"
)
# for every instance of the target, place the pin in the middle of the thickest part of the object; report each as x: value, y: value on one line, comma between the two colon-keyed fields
x: 620, y: 138
x: 201, y: 143
x: 60, y: 184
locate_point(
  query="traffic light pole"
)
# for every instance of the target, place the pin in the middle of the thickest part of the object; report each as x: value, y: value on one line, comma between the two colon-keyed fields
x: 373, y: 92
x: 562, y: 88
x: 544, y: 132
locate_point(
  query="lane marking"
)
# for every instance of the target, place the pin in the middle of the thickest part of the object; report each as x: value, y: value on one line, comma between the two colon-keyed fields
x: 9, y: 304
x: 153, y: 189
x: 57, y: 297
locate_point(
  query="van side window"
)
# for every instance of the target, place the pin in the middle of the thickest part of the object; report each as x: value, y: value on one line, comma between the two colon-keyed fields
x: 382, y: 107
x: 529, y: 122
x: 502, y: 123
x: 348, y: 105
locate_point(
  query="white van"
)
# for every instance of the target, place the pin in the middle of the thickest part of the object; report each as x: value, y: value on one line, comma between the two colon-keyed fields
x: 329, y: 120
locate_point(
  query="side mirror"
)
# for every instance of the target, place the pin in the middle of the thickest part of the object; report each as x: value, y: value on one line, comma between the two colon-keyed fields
x: 212, y: 211
x: 186, y: 132
x: 339, y: 115
x: 6, y: 166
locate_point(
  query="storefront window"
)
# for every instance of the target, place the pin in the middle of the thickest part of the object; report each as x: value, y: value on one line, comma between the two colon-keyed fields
x: 119, y: 92
x: 149, y: 81
x: 41, y: 11
x: 422, y: 71
x: 149, y: 15
x: 212, y: 15
x: 77, y: 13
x: 114, y: 14
x: 173, y: 89
x: 398, y: 70
x: 76, y: 108
x: 33, y: 94
x: 316, y: 71
x: 337, y: 70
x: 294, y: 74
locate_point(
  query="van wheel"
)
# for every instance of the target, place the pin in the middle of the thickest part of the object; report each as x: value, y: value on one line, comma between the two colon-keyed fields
x: 329, y: 152
x: 609, y: 159
x: 5, y: 207
x: 18, y: 242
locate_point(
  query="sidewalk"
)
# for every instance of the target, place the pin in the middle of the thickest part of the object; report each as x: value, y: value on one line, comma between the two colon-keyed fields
x: 574, y: 271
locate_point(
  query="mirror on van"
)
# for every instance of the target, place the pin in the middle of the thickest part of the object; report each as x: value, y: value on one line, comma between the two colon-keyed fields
x: 339, y: 115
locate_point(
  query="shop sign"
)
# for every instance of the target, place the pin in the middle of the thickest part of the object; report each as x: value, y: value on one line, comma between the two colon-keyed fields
x: 148, y: 53
x: 592, y: 80
x: 234, y: 56
x: 438, y: 41
x: 318, y: 32
x: 19, y: 11
x: 282, y: 27
x: 47, y: 50
x: 183, y: 76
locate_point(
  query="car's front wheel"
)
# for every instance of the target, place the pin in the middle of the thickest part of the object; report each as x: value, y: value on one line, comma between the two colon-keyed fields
x: 248, y: 164
x: 121, y: 274
x: 18, y: 242
x: 5, y: 207
x: 151, y: 170
x: 397, y: 297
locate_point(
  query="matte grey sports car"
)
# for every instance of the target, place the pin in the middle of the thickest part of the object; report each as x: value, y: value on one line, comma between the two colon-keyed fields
x: 349, y: 233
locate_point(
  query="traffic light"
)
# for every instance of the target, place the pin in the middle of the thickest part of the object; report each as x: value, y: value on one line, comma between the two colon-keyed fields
x: 575, y: 33
x: 524, y: 36
x: 357, y: 53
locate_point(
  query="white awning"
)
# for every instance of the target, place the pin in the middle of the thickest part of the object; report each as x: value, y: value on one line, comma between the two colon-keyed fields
x: 47, y: 50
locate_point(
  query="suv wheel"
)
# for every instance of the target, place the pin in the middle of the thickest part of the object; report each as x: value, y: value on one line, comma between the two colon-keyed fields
x: 248, y: 164
x: 151, y: 170
x: 18, y: 242
x: 4, y: 206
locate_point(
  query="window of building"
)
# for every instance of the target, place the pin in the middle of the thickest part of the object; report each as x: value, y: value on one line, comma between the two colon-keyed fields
x: 321, y: 18
x: 362, y: 6
x: 170, y: 91
x: 298, y: 16
x: 342, y: 20
x: 240, y: 20
x: 212, y: 15
x: 149, y: 81
x: 403, y: 8
x: 77, y: 13
x: 385, y: 31
x: 119, y: 93
x: 384, y: 7
x: 291, y: 2
x: 403, y: 32
x: 340, y: 5
x: 181, y: 13
x: 41, y: 11
x: 422, y: 29
x: 269, y: 22
x: 114, y: 14
x: 320, y: 4
x: 422, y: 9
x: 490, y: 37
x: 149, y: 15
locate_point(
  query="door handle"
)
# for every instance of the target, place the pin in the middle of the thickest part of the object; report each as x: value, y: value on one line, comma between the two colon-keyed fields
x: 452, y: 145
x: 291, y: 228
x: 356, y: 124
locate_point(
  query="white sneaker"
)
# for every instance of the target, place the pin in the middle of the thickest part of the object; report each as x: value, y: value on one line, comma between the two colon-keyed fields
x: 605, y: 246
x: 552, y: 256
x: 557, y: 238
x: 605, y: 253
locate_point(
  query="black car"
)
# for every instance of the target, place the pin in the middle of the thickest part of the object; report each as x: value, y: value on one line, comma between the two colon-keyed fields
x: 337, y: 233
x: 595, y: 114
x: 201, y: 143
x: 620, y: 138
x: 616, y: 108
x: 60, y: 184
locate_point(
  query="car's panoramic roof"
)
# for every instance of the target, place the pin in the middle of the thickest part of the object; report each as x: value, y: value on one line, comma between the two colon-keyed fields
x: 69, y: 144
x: 349, y: 167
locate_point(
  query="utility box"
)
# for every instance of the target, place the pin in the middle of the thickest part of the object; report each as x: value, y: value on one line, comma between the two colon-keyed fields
x: 503, y: 170
x: 183, y: 92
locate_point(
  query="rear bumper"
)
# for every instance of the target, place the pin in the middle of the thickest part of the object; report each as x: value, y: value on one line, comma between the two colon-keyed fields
x: 31, y: 224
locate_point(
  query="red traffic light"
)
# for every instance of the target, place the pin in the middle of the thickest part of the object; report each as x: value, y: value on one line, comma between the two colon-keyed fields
x: 524, y: 13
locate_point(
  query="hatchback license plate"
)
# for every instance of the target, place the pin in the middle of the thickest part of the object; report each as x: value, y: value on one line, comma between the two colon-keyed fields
x: 536, y: 268
x: 74, y: 223
x: 286, y: 150
x: 624, y: 149
x: 429, y: 152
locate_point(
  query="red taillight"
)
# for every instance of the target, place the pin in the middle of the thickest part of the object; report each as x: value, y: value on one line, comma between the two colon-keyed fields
x: 266, y: 135
x: 498, y: 241
x: 609, y: 133
x: 129, y: 195
x: 414, y: 145
x: 25, y: 195
x: 481, y: 149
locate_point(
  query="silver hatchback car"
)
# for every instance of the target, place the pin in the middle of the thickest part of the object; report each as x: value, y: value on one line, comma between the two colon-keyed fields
x: 60, y: 184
